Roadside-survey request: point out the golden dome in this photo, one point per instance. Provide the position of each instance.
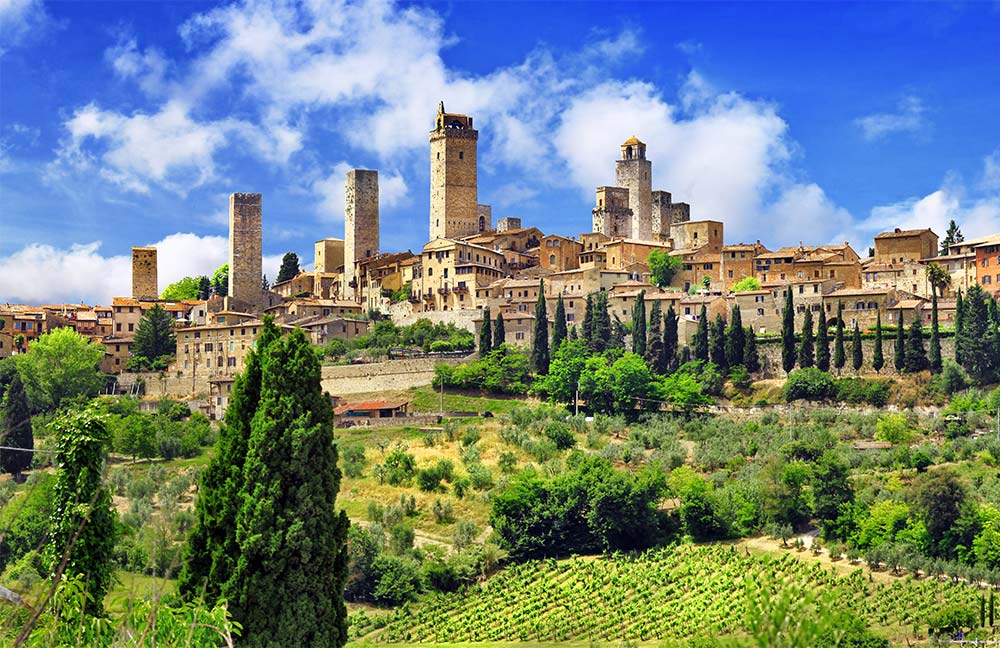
(631, 141)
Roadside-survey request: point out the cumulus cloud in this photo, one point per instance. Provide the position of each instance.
(991, 171)
(329, 191)
(19, 20)
(908, 118)
(976, 217)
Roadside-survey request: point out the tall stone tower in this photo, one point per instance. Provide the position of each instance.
(245, 242)
(144, 273)
(634, 172)
(360, 223)
(454, 210)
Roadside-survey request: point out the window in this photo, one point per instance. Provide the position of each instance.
(519, 335)
(986, 279)
(131, 327)
(231, 362)
(760, 312)
(208, 346)
(730, 274)
(118, 327)
(461, 155)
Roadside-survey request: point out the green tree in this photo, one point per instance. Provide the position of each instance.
(211, 551)
(669, 339)
(654, 340)
(959, 325)
(700, 342)
(823, 343)
(82, 526)
(788, 332)
(717, 342)
(751, 358)
(485, 337)
(601, 332)
(289, 267)
(60, 364)
(137, 437)
(287, 589)
(935, 353)
(857, 355)
(832, 494)
(915, 357)
(220, 280)
(15, 422)
(559, 325)
(639, 324)
(540, 341)
(154, 336)
(807, 349)
(951, 236)
(899, 346)
(662, 267)
(978, 338)
(204, 287)
(588, 319)
(746, 284)
(564, 371)
(878, 359)
(839, 356)
(939, 497)
(186, 288)
(736, 339)
(499, 334)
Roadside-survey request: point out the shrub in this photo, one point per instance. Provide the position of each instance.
(809, 383)
(560, 434)
(352, 460)
(893, 428)
(397, 579)
(398, 468)
(861, 390)
(740, 377)
(465, 533)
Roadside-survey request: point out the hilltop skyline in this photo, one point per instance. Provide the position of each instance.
(130, 123)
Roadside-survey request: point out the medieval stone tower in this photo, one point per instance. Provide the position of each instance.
(245, 242)
(634, 172)
(361, 237)
(144, 273)
(454, 210)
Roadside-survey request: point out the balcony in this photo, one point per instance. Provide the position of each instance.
(444, 291)
(460, 289)
(429, 295)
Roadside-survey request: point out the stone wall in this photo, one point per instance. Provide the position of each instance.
(245, 241)
(636, 176)
(361, 223)
(382, 376)
(144, 284)
(454, 195)
(770, 356)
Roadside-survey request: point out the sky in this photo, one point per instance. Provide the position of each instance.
(130, 123)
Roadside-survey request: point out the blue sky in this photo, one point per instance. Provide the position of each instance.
(130, 123)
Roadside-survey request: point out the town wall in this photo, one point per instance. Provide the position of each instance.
(391, 375)
(770, 356)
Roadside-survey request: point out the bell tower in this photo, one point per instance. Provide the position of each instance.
(454, 210)
(634, 172)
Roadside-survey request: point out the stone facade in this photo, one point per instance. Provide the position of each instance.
(665, 213)
(697, 234)
(634, 172)
(612, 214)
(508, 223)
(144, 284)
(454, 206)
(245, 245)
(328, 255)
(899, 245)
(452, 272)
(485, 217)
(558, 253)
(361, 229)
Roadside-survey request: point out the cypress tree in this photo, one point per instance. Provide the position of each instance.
(857, 353)
(15, 422)
(654, 340)
(979, 340)
(839, 356)
(935, 354)
(878, 360)
(600, 332)
(154, 334)
(559, 326)
(617, 340)
(499, 334)
(588, 320)
(717, 342)
(788, 333)
(289, 267)
(639, 324)
(670, 339)
(899, 347)
(288, 586)
(822, 343)
(540, 341)
(211, 551)
(485, 337)
(204, 287)
(572, 333)
(736, 338)
(915, 357)
(807, 351)
(751, 359)
(701, 336)
(959, 325)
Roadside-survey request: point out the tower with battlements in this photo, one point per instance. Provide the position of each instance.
(144, 273)
(454, 194)
(361, 231)
(245, 249)
(635, 173)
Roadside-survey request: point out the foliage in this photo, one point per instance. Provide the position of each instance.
(700, 342)
(894, 428)
(822, 343)
(683, 391)
(807, 349)
(735, 338)
(857, 353)
(615, 385)
(662, 267)
(499, 332)
(655, 358)
(809, 383)
(952, 236)
(639, 324)
(567, 365)
(939, 498)
(540, 339)
(746, 284)
(289, 267)
(878, 360)
(788, 333)
(503, 370)
(751, 358)
(979, 337)
(186, 288)
(899, 344)
(154, 335)
(717, 342)
(220, 280)
(861, 390)
(669, 339)
(839, 356)
(60, 365)
(934, 359)
(915, 356)
(15, 421)
(558, 325)
(25, 519)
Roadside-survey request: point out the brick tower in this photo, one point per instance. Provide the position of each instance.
(454, 210)
(360, 224)
(245, 213)
(634, 172)
(144, 273)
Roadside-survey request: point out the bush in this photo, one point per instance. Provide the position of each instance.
(397, 580)
(398, 468)
(560, 434)
(893, 428)
(809, 383)
(952, 377)
(352, 460)
(441, 346)
(740, 377)
(861, 390)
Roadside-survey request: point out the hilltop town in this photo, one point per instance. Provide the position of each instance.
(471, 263)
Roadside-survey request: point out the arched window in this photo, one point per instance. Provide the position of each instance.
(552, 259)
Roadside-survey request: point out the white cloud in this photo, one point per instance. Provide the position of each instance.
(20, 20)
(329, 191)
(512, 193)
(991, 171)
(976, 217)
(908, 118)
(149, 68)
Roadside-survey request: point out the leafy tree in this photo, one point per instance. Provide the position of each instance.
(615, 386)
(735, 338)
(978, 338)
(559, 325)
(788, 332)
(662, 267)
(485, 339)
(751, 358)
(939, 497)
(899, 346)
(204, 287)
(186, 288)
(915, 357)
(823, 343)
(289, 267)
(499, 334)
(220, 280)
(15, 421)
(746, 284)
(654, 340)
(717, 342)
(287, 589)
(82, 527)
(639, 324)
(935, 353)
(540, 341)
(564, 372)
(832, 494)
(211, 551)
(154, 336)
(807, 349)
(951, 236)
(137, 437)
(669, 339)
(857, 355)
(839, 356)
(938, 277)
(701, 336)
(808, 383)
(878, 359)
(683, 392)
(60, 364)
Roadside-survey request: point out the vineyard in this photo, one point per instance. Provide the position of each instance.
(659, 595)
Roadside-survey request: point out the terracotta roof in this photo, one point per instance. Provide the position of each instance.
(124, 301)
(898, 233)
(908, 303)
(631, 140)
(858, 292)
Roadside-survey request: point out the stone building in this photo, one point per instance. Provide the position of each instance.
(736, 262)
(861, 306)
(117, 351)
(329, 255)
(452, 272)
(144, 284)
(485, 213)
(697, 234)
(612, 215)
(454, 208)
(557, 253)
(245, 245)
(899, 245)
(634, 172)
(508, 223)
(361, 225)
